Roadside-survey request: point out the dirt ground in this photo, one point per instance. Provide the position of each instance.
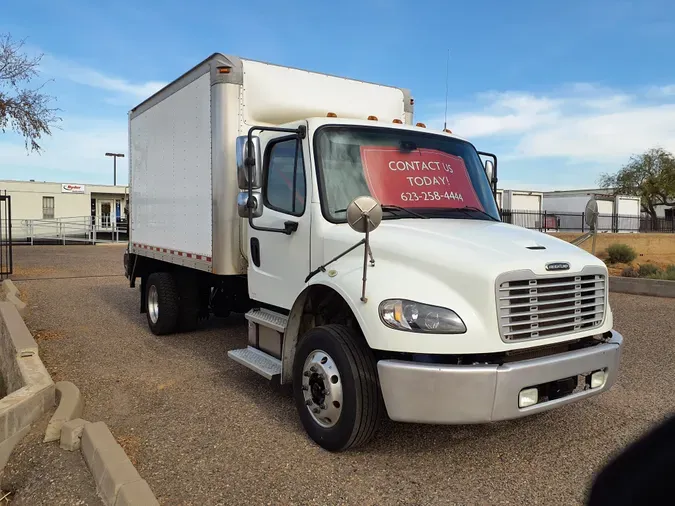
(658, 249)
(203, 430)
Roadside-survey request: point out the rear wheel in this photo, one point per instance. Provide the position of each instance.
(335, 388)
(162, 303)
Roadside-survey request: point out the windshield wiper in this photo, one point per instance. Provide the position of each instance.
(391, 209)
(465, 210)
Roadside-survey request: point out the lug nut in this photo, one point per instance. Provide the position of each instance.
(305, 388)
(325, 393)
(316, 411)
(313, 368)
(308, 402)
(323, 406)
(306, 374)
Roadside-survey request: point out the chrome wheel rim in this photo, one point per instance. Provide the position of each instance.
(322, 388)
(153, 304)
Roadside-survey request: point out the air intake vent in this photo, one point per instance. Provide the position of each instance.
(549, 306)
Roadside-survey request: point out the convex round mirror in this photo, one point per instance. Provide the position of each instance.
(364, 214)
(591, 213)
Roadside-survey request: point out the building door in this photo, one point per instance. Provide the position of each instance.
(106, 214)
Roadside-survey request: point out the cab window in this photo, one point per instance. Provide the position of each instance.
(285, 177)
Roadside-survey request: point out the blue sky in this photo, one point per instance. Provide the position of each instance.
(561, 91)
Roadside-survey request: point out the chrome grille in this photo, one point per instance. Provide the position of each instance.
(540, 307)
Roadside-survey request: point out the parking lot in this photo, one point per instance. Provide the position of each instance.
(202, 429)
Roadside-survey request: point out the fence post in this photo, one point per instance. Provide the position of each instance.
(583, 221)
(545, 225)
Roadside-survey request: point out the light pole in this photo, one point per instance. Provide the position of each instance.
(115, 156)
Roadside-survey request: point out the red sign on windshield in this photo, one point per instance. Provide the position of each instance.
(420, 178)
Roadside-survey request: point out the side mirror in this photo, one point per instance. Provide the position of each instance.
(256, 159)
(489, 170)
(256, 204)
(364, 214)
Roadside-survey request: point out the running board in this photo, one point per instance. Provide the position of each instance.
(256, 360)
(267, 318)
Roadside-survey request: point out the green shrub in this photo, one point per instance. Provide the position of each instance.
(630, 272)
(649, 271)
(669, 273)
(621, 254)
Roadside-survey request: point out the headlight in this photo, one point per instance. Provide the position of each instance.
(412, 316)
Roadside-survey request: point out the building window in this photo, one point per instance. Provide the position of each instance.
(47, 208)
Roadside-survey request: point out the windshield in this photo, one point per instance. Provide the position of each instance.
(435, 176)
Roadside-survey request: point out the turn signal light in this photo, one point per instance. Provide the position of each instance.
(421, 125)
(372, 118)
(331, 115)
(224, 70)
(398, 121)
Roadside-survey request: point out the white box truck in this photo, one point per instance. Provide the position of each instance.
(242, 177)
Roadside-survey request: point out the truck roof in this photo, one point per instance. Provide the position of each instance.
(317, 121)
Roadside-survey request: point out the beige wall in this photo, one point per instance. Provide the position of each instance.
(27, 199)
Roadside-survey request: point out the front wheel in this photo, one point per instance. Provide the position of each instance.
(335, 388)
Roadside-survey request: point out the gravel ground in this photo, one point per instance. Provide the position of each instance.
(204, 430)
(42, 473)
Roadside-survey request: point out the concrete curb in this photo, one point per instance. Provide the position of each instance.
(70, 407)
(642, 286)
(10, 293)
(117, 481)
(29, 388)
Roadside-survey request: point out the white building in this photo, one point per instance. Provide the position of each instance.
(521, 207)
(617, 213)
(47, 209)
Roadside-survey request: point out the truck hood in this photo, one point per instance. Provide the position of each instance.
(479, 246)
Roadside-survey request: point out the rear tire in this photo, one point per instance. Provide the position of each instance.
(333, 363)
(162, 303)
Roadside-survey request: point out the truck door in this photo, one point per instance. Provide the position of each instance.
(279, 263)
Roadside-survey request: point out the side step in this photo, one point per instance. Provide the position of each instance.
(267, 318)
(257, 360)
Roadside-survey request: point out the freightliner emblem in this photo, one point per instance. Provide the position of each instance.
(558, 266)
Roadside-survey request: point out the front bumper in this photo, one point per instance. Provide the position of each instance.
(461, 394)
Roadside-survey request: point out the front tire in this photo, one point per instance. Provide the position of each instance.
(162, 303)
(335, 388)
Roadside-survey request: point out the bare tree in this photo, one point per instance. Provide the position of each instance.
(23, 109)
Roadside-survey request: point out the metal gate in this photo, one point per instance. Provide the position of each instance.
(5, 235)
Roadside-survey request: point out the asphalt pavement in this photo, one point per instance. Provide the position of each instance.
(203, 430)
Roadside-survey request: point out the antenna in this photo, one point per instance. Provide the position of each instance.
(447, 76)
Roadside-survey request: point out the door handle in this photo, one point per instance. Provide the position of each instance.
(290, 227)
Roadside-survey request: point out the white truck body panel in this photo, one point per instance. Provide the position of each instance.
(171, 188)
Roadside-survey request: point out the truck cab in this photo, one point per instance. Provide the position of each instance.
(377, 277)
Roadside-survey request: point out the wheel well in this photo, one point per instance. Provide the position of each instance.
(317, 305)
